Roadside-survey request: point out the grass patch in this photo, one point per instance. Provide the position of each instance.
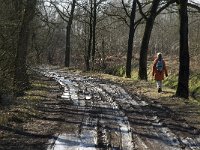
(23, 123)
(171, 81)
(39, 85)
(18, 114)
(195, 85)
(134, 74)
(22, 114)
(24, 107)
(116, 70)
(32, 98)
(37, 93)
(4, 118)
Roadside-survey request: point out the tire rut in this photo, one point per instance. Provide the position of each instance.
(113, 119)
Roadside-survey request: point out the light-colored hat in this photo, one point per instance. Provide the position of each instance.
(159, 54)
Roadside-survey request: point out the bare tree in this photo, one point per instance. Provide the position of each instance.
(68, 31)
(92, 12)
(145, 41)
(20, 74)
(94, 31)
(183, 80)
(130, 40)
(68, 18)
(88, 52)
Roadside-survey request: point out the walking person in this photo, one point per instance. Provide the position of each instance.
(159, 69)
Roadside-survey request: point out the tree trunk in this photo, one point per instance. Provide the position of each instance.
(103, 57)
(88, 54)
(68, 35)
(130, 40)
(94, 32)
(50, 57)
(145, 41)
(183, 80)
(20, 75)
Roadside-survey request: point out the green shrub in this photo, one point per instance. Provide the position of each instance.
(116, 70)
(171, 81)
(194, 85)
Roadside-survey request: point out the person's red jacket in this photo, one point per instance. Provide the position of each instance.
(159, 75)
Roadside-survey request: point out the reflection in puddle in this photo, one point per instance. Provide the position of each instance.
(88, 97)
(86, 141)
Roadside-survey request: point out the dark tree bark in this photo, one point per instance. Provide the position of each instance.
(50, 57)
(130, 40)
(183, 80)
(145, 41)
(88, 53)
(68, 35)
(20, 74)
(103, 54)
(94, 32)
(18, 8)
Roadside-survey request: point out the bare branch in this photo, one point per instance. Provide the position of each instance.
(165, 6)
(62, 15)
(140, 10)
(194, 6)
(124, 7)
(101, 1)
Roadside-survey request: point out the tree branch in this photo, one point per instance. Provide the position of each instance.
(62, 15)
(140, 10)
(165, 6)
(124, 7)
(194, 6)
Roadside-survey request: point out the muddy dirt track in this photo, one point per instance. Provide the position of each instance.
(99, 114)
(88, 113)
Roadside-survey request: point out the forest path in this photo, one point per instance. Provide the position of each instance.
(100, 114)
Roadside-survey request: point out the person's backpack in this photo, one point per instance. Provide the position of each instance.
(159, 65)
